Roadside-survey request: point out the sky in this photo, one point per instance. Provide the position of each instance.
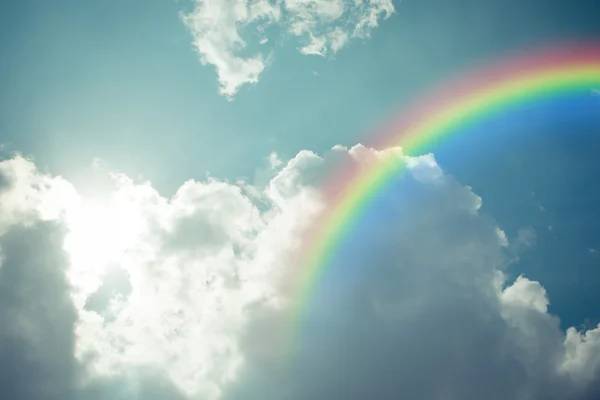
(162, 160)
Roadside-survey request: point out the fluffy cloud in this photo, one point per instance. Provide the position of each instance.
(188, 297)
(215, 28)
(322, 26)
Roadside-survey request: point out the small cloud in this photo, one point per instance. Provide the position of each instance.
(503, 240)
(316, 46)
(525, 238)
(99, 164)
(339, 147)
(215, 28)
(274, 161)
(338, 38)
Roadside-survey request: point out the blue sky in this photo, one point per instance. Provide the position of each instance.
(121, 81)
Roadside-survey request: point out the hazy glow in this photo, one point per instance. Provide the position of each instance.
(100, 233)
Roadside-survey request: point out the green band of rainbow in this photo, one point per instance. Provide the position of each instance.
(477, 96)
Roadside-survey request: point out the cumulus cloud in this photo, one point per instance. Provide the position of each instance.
(143, 296)
(222, 39)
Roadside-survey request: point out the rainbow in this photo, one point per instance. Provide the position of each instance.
(478, 95)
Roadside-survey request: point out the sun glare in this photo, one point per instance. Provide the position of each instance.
(99, 234)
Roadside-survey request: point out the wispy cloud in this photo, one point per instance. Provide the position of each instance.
(321, 26)
(215, 27)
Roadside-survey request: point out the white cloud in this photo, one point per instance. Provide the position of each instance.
(215, 27)
(27, 196)
(274, 161)
(581, 361)
(187, 297)
(338, 39)
(527, 295)
(327, 26)
(372, 11)
(322, 26)
(525, 238)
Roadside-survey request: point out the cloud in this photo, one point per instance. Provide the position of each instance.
(215, 28)
(222, 38)
(421, 309)
(327, 26)
(188, 297)
(525, 238)
(38, 318)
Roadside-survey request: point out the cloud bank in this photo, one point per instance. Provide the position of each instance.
(187, 297)
(227, 33)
